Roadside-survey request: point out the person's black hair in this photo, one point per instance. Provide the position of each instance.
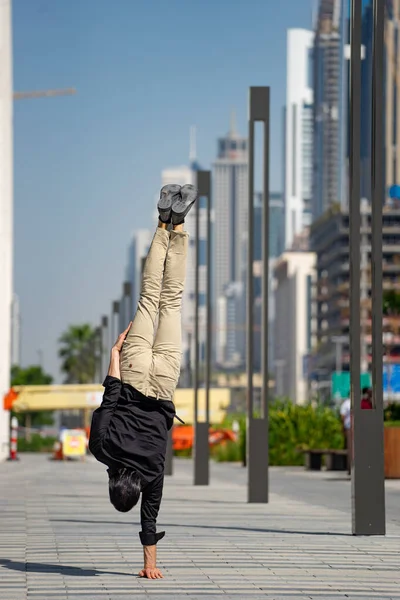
(124, 487)
(365, 390)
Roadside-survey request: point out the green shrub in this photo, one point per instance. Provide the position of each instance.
(187, 453)
(392, 423)
(291, 428)
(227, 452)
(37, 443)
(392, 412)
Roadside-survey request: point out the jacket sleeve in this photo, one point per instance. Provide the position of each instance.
(151, 500)
(102, 416)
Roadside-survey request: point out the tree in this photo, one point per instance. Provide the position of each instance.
(33, 375)
(78, 353)
(391, 303)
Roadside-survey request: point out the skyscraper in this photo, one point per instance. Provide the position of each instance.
(137, 251)
(183, 175)
(230, 172)
(298, 133)
(391, 99)
(6, 211)
(327, 58)
(276, 225)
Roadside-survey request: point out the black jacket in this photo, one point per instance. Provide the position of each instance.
(131, 430)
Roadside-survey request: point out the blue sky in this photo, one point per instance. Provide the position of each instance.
(87, 167)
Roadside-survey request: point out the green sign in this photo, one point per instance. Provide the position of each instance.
(341, 384)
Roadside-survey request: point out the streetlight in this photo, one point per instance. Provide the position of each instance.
(257, 428)
(368, 481)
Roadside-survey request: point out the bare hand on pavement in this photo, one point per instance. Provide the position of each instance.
(151, 573)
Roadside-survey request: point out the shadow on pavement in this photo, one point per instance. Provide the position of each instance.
(225, 527)
(33, 567)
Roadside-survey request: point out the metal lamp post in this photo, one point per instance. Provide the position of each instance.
(201, 428)
(368, 497)
(105, 344)
(115, 320)
(257, 428)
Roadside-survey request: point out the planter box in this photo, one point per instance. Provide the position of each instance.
(336, 460)
(392, 452)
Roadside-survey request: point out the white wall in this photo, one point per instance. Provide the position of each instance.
(292, 322)
(6, 209)
(298, 92)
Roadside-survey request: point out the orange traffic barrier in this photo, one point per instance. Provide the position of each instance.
(9, 399)
(183, 437)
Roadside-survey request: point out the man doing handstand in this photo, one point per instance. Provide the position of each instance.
(130, 429)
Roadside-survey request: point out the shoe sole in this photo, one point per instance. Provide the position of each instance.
(181, 207)
(166, 200)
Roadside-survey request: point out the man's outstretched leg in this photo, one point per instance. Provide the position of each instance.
(167, 349)
(136, 355)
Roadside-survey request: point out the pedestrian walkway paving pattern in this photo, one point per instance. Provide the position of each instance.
(61, 539)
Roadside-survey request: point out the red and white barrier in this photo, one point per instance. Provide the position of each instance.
(14, 439)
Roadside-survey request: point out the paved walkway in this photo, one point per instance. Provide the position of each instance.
(61, 539)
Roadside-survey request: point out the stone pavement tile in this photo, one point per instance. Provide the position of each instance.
(48, 596)
(214, 546)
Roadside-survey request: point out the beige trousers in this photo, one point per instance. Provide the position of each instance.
(152, 364)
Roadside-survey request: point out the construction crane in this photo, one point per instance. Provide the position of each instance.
(44, 93)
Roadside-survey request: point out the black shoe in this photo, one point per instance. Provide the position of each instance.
(182, 205)
(168, 195)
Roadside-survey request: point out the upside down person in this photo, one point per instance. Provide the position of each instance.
(130, 429)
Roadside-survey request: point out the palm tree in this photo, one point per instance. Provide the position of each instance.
(78, 353)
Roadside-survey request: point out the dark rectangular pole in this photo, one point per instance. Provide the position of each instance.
(368, 498)
(257, 428)
(105, 344)
(200, 447)
(368, 473)
(265, 278)
(127, 303)
(98, 354)
(354, 234)
(115, 320)
(250, 279)
(209, 303)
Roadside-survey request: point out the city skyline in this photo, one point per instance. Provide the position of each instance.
(87, 167)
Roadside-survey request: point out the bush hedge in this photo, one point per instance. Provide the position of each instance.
(292, 428)
(392, 411)
(37, 443)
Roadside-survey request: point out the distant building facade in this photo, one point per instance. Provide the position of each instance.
(298, 133)
(294, 324)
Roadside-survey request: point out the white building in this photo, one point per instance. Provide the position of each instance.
(6, 211)
(298, 133)
(294, 323)
(230, 192)
(231, 312)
